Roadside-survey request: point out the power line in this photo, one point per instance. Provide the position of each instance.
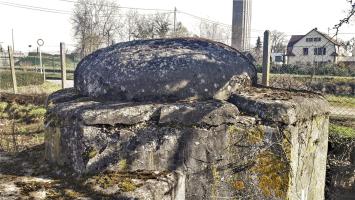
(123, 7)
(205, 19)
(36, 8)
(56, 11)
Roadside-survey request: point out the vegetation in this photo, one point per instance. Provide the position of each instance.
(327, 70)
(22, 78)
(343, 131)
(57, 76)
(48, 60)
(341, 100)
(21, 126)
(44, 88)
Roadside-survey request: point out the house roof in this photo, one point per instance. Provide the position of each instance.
(334, 54)
(295, 38)
(329, 38)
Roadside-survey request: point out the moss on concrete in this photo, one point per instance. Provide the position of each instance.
(122, 165)
(256, 135)
(273, 174)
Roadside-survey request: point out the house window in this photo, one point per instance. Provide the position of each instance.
(305, 51)
(317, 39)
(278, 59)
(320, 51)
(309, 39)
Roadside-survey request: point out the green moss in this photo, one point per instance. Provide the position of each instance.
(233, 129)
(3, 106)
(122, 180)
(92, 154)
(24, 113)
(272, 174)
(343, 131)
(122, 165)
(127, 185)
(37, 113)
(256, 135)
(89, 154)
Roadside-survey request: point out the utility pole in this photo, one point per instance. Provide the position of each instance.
(175, 10)
(13, 40)
(40, 59)
(266, 59)
(63, 64)
(12, 66)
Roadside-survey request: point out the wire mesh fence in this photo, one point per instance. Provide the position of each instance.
(34, 68)
(319, 63)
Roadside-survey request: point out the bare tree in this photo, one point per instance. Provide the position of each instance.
(96, 23)
(181, 30)
(278, 41)
(150, 26)
(131, 21)
(215, 31)
(162, 25)
(144, 28)
(346, 20)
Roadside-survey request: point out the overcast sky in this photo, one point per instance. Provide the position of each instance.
(289, 16)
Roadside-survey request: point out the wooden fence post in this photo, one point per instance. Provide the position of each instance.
(266, 59)
(12, 66)
(63, 64)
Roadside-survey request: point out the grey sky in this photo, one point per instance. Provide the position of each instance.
(289, 16)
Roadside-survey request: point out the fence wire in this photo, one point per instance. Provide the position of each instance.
(319, 63)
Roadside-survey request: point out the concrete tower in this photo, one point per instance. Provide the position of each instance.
(241, 24)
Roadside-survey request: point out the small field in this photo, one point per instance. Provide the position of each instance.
(22, 78)
(21, 121)
(345, 101)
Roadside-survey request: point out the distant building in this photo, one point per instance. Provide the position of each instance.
(314, 48)
(241, 24)
(278, 59)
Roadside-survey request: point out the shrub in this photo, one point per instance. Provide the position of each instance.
(328, 70)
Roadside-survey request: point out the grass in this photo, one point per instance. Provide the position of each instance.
(341, 100)
(70, 76)
(344, 131)
(45, 88)
(48, 60)
(22, 78)
(21, 125)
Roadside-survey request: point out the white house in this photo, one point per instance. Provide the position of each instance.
(314, 48)
(278, 59)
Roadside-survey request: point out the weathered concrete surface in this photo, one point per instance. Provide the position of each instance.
(164, 70)
(265, 144)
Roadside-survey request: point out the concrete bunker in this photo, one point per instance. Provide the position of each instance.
(184, 119)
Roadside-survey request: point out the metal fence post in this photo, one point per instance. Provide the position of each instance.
(63, 64)
(266, 59)
(12, 66)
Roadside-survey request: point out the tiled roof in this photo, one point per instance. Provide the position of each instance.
(295, 38)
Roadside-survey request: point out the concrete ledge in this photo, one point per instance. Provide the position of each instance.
(278, 105)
